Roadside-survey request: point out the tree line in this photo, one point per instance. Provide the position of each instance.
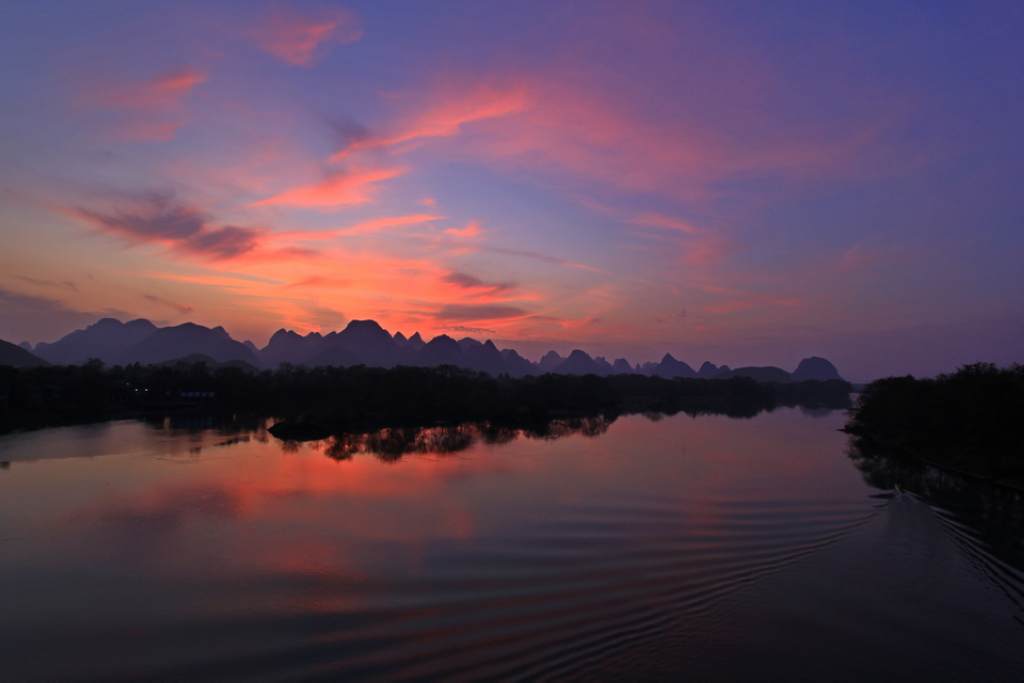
(363, 398)
(971, 420)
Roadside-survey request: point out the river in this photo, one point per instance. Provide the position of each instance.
(708, 547)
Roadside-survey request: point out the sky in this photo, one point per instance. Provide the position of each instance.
(748, 183)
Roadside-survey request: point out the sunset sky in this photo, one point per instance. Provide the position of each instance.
(745, 183)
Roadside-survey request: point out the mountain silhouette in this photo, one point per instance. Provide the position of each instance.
(648, 368)
(579, 363)
(621, 367)
(441, 350)
(416, 342)
(670, 368)
(768, 373)
(815, 368)
(364, 342)
(170, 343)
(549, 362)
(367, 341)
(15, 356)
(287, 346)
(106, 339)
(466, 343)
(708, 370)
(516, 365)
(485, 358)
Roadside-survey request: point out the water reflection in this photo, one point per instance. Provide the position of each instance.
(990, 514)
(392, 443)
(671, 548)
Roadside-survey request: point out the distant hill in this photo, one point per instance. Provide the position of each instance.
(485, 358)
(365, 342)
(170, 343)
(709, 370)
(815, 368)
(441, 350)
(549, 362)
(516, 365)
(15, 356)
(107, 339)
(670, 368)
(287, 346)
(579, 363)
(621, 367)
(761, 374)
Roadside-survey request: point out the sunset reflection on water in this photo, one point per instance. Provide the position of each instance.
(156, 551)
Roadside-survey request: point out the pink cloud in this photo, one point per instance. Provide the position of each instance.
(149, 110)
(162, 91)
(471, 230)
(575, 132)
(660, 221)
(445, 115)
(296, 37)
(341, 189)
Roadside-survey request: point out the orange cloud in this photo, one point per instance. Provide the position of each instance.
(295, 37)
(471, 230)
(370, 226)
(342, 189)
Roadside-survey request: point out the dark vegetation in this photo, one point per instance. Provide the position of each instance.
(971, 421)
(322, 400)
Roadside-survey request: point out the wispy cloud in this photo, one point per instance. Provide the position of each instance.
(163, 90)
(659, 221)
(161, 219)
(180, 308)
(543, 258)
(470, 282)
(301, 38)
(469, 312)
(146, 110)
(340, 189)
(470, 231)
(64, 284)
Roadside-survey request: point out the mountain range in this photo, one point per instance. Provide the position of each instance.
(362, 342)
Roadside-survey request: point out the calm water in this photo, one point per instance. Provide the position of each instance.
(706, 547)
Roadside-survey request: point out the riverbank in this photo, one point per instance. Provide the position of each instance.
(362, 398)
(969, 422)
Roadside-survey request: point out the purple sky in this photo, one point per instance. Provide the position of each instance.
(745, 183)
